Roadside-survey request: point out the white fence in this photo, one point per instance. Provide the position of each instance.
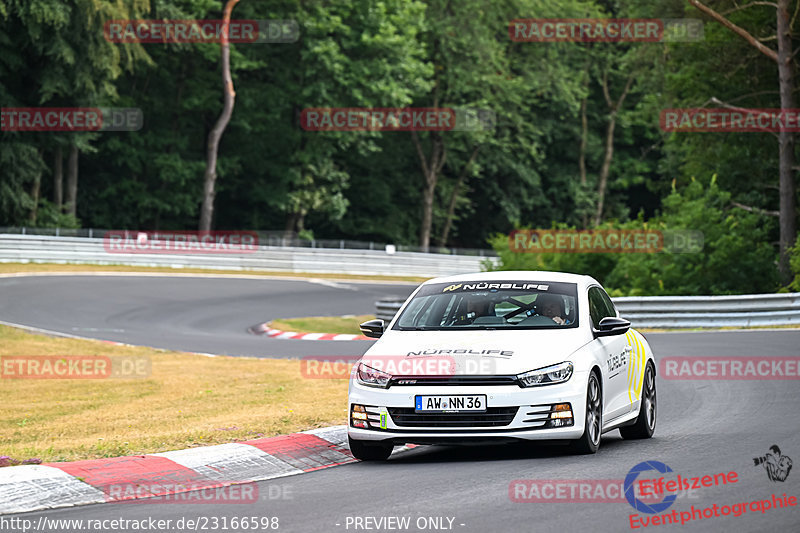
(711, 311)
(16, 248)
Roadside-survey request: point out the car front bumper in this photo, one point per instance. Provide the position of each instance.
(513, 413)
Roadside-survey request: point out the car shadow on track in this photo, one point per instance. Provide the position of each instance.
(496, 452)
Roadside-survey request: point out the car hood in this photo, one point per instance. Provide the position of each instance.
(473, 352)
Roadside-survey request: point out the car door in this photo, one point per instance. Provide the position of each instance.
(615, 354)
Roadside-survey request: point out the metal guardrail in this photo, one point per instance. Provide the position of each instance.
(281, 239)
(386, 308)
(711, 311)
(687, 311)
(50, 249)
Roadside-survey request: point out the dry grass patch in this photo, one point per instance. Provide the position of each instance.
(188, 400)
(11, 268)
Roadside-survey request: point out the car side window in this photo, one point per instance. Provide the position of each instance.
(609, 305)
(600, 305)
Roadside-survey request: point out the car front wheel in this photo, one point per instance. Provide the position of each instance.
(645, 423)
(590, 440)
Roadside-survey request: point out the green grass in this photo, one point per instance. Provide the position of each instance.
(188, 400)
(322, 324)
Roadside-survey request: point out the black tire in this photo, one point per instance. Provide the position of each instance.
(590, 440)
(369, 452)
(645, 424)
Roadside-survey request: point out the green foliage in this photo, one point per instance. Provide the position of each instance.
(53, 54)
(736, 257)
(368, 185)
(795, 264)
(20, 163)
(597, 265)
(49, 216)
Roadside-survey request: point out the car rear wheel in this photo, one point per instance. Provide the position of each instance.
(645, 423)
(590, 440)
(369, 452)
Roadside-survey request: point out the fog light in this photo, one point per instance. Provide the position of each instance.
(561, 410)
(358, 417)
(561, 416)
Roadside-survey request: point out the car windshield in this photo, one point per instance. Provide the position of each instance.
(491, 305)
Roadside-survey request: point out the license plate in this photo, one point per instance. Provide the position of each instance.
(450, 404)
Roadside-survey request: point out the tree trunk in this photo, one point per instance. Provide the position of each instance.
(427, 213)
(35, 189)
(451, 209)
(787, 222)
(430, 171)
(584, 135)
(290, 230)
(783, 57)
(214, 136)
(584, 126)
(604, 170)
(582, 157)
(58, 178)
(614, 107)
(72, 181)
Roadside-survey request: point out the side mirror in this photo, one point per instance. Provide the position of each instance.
(612, 325)
(372, 328)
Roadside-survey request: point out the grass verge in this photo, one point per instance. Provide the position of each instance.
(322, 324)
(11, 268)
(188, 400)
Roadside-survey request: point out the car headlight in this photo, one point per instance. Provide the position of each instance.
(366, 375)
(547, 375)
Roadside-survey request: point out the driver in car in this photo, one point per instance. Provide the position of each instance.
(477, 306)
(551, 306)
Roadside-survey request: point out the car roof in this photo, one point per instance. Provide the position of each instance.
(521, 275)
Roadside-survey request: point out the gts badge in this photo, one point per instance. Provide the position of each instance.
(615, 362)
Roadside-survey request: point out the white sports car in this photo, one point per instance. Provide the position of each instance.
(502, 356)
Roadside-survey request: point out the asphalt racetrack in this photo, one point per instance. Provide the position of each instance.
(195, 314)
(704, 427)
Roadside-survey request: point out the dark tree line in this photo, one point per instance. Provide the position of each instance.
(576, 141)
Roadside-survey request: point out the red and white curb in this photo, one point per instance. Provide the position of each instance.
(264, 329)
(36, 487)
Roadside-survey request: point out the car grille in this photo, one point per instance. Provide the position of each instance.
(493, 417)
